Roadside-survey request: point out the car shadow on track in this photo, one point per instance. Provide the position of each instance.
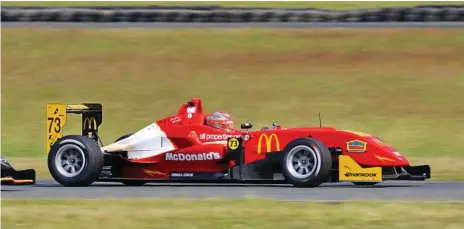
(155, 185)
(12, 190)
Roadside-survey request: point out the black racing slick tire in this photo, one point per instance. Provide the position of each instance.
(75, 160)
(130, 182)
(306, 163)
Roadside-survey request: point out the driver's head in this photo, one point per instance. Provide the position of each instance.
(220, 120)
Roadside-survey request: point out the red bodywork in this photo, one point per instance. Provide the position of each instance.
(189, 134)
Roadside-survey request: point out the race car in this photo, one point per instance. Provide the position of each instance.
(194, 146)
(11, 176)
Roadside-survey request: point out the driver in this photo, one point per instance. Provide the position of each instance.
(220, 120)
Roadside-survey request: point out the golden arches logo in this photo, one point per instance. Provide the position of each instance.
(268, 142)
(88, 123)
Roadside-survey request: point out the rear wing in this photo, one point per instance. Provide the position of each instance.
(57, 117)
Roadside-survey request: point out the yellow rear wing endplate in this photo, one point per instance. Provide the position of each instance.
(92, 117)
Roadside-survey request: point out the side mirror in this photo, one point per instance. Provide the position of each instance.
(246, 126)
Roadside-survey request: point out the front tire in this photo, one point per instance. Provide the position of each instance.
(75, 160)
(306, 163)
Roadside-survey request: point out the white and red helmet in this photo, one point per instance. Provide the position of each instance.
(220, 120)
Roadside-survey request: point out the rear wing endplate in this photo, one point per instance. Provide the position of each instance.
(57, 117)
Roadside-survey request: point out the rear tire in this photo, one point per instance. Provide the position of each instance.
(75, 160)
(306, 163)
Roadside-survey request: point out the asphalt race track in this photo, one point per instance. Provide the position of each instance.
(370, 25)
(391, 190)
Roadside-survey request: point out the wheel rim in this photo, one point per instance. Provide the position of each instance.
(70, 160)
(302, 162)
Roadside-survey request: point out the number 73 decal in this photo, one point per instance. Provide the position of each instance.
(56, 120)
(233, 143)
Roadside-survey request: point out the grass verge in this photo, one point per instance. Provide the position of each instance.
(402, 85)
(325, 5)
(218, 213)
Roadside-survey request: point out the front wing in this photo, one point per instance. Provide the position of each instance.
(349, 170)
(26, 176)
(11, 176)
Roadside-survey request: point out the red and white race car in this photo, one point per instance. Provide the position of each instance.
(192, 146)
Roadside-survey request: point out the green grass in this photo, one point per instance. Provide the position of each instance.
(215, 213)
(308, 4)
(403, 85)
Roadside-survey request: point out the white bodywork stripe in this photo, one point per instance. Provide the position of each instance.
(149, 141)
(215, 142)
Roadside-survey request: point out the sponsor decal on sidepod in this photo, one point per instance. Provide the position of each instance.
(193, 157)
(356, 146)
(221, 137)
